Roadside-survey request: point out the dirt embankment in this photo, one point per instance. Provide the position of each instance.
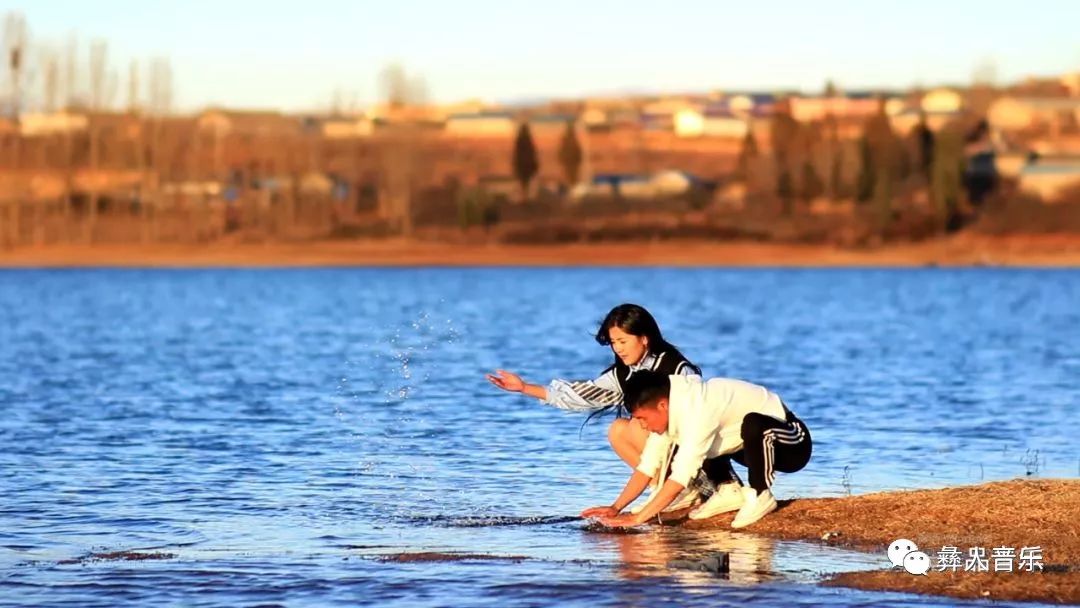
(1012, 514)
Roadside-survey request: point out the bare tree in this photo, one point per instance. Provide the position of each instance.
(133, 88)
(399, 89)
(159, 103)
(337, 103)
(134, 109)
(983, 86)
(985, 72)
(99, 96)
(50, 103)
(15, 41)
(70, 95)
(402, 155)
(51, 84)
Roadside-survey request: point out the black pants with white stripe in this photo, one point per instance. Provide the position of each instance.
(769, 445)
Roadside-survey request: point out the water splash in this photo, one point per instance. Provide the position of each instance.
(379, 401)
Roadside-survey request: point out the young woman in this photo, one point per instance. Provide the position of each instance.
(636, 341)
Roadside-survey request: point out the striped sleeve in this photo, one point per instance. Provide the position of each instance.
(585, 395)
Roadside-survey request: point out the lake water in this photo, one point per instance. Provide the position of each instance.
(279, 433)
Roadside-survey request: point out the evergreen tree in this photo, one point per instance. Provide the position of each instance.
(570, 154)
(785, 141)
(836, 177)
(747, 155)
(924, 144)
(526, 164)
(864, 185)
(812, 186)
(785, 190)
(947, 178)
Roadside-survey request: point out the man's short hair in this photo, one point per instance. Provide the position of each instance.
(645, 389)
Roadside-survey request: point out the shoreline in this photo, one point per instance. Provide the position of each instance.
(963, 250)
(1016, 514)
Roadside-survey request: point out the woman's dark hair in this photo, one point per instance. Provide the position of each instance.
(636, 321)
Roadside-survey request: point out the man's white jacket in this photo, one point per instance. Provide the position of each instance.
(704, 421)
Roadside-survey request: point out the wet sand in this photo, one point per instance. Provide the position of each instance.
(962, 250)
(1016, 514)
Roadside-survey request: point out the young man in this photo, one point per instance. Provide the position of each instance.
(705, 421)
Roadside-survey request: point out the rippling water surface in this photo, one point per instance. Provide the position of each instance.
(278, 436)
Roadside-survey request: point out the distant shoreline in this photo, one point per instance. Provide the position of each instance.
(965, 250)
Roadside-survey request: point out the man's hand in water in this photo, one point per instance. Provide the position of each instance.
(507, 381)
(602, 512)
(626, 520)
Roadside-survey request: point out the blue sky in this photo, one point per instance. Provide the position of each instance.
(295, 55)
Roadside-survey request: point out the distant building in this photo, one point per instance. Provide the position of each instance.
(471, 106)
(809, 109)
(722, 123)
(662, 121)
(666, 106)
(758, 105)
(661, 115)
(423, 115)
(1051, 178)
(1018, 113)
(481, 124)
(663, 184)
(627, 118)
(689, 122)
(251, 123)
(942, 101)
(938, 108)
(906, 120)
(550, 123)
(347, 128)
(1072, 83)
(895, 105)
(714, 120)
(595, 118)
(607, 113)
(52, 123)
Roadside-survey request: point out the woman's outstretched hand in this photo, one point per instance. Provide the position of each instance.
(507, 381)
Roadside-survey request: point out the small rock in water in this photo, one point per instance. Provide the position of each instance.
(831, 535)
(718, 563)
(597, 527)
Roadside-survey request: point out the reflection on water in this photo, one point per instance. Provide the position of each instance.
(752, 559)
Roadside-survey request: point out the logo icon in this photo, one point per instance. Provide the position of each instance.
(917, 562)
(900, 548)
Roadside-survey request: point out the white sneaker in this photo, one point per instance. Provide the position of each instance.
(755, 507)
(727, 497)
